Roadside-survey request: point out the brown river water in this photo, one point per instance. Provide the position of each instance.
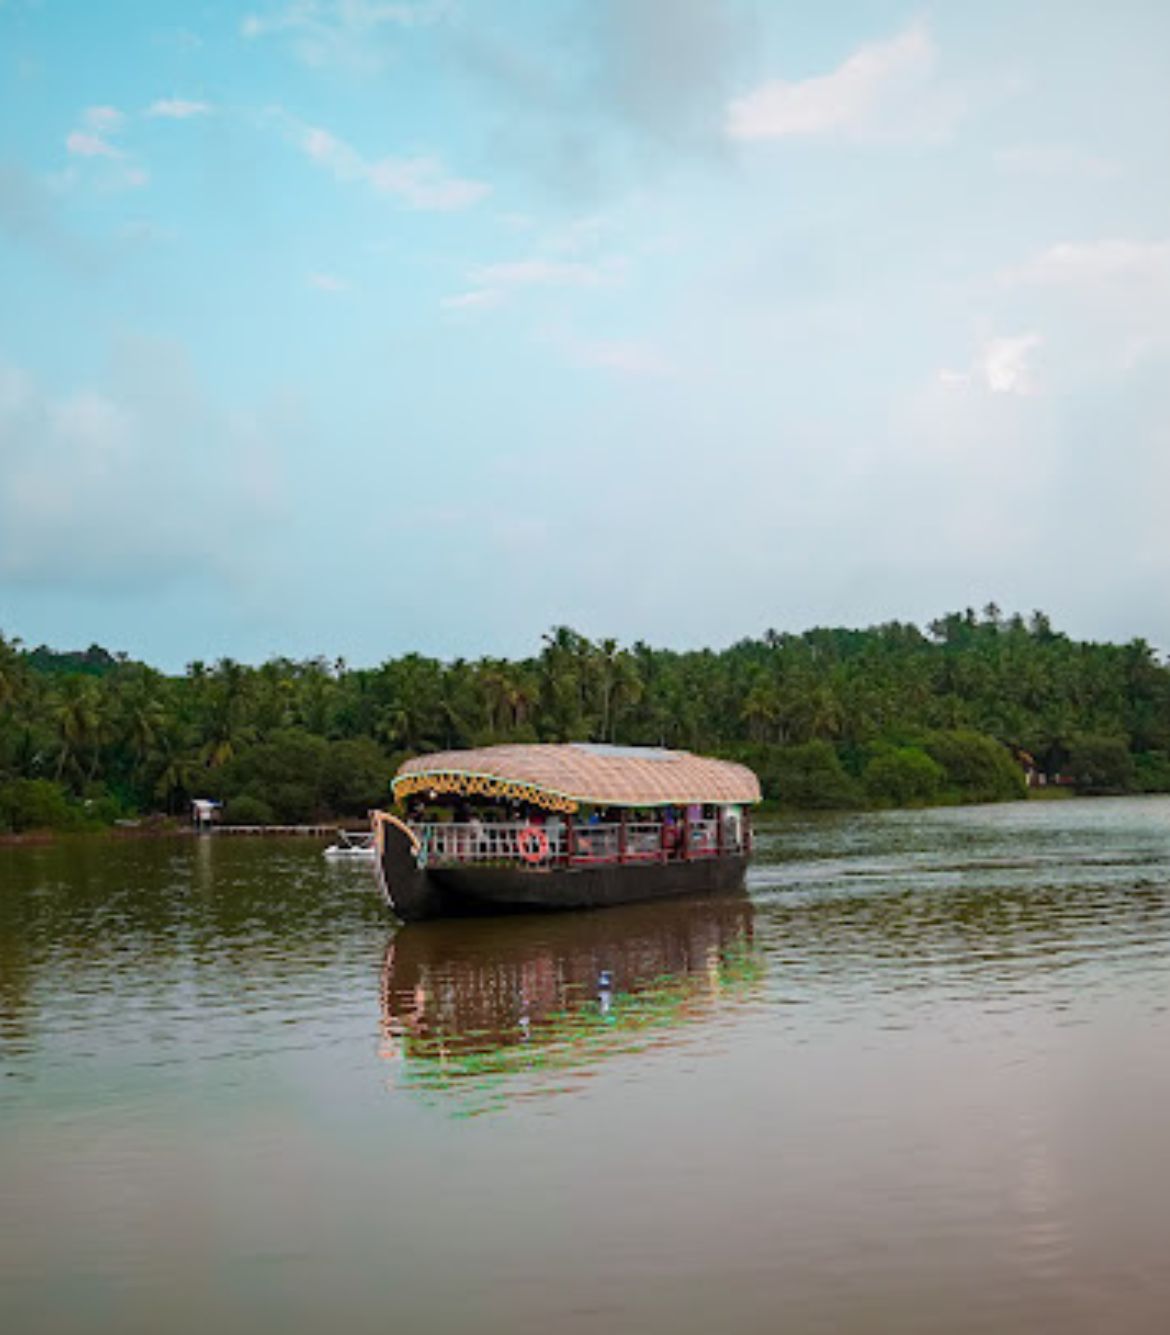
(917, 1079)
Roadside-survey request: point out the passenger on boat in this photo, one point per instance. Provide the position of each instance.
(671, 834)
(555, 828)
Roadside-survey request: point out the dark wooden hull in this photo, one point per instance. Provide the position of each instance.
(455, 892)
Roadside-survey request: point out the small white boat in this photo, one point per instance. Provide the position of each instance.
(352, 846)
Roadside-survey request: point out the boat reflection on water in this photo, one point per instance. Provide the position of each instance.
(493, 1009)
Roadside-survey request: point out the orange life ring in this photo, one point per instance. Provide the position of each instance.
(532, 844)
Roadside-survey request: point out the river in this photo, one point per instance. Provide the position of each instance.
(915, 1080)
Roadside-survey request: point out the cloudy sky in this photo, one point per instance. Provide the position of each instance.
(352, 327)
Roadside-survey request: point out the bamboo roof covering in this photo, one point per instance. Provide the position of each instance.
(562, 776)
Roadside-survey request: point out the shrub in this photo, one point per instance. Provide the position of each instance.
(1152, 772)
(809, 777)
(100, 806)
(1100, 765)
(284, 773)
(36, 804)
(249, 810)
(297, 776)
(356, 777)
(903, 776)
(977, 766)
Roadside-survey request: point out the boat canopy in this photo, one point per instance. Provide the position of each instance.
(563, 776)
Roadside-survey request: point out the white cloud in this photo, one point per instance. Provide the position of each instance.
(630, 356)
(476, 299)
(1006, 364)
(103, 120)
(538, 272)
(352, 15)
(493, 283)
(422, 182)
(92, 139)
(1096, 262)
(139, 475)
(341, 32)
(951, 379)
(1106, 302)
(327, 282)
(1003, 366)
(177, 109)
(82, 144)
(300, 14)
(1055, 160)
(866, 94)
(183, 39)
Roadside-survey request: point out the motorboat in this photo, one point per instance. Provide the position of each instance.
(352, 846)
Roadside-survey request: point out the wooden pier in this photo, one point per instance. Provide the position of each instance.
(313, 831)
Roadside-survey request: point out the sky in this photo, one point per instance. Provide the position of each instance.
(354, 327)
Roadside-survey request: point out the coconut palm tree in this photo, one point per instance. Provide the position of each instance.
(77, 719)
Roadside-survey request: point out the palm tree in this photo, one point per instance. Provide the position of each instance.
(12, 670)
(77, 720)
(271, 696)
(142, 719)
(566, 663)
(607, 660)
(626, 689)
(314, 697)
(762, 709)
(178, 771)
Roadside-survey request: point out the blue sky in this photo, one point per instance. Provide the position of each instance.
(353, 327)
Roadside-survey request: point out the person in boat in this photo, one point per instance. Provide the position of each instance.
(555, 829)
(670, 830)
(475, 833)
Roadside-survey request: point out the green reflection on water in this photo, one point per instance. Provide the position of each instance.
(490, 1011)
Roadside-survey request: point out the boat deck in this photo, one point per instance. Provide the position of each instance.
(559, 843)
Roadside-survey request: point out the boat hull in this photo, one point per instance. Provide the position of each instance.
(416, 893)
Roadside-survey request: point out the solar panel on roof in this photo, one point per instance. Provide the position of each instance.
(604, 749)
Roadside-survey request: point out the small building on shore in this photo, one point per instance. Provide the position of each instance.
(205, 812)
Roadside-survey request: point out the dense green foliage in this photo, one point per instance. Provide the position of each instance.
(975, 767)
(828, 718)
(903, 776)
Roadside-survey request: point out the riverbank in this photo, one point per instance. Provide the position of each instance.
(171, 827)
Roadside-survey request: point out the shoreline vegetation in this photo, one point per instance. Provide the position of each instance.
(971, 709)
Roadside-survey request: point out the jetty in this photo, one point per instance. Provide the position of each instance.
(313, 831)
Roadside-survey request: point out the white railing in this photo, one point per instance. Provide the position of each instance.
(645, 841)
(597, 843)
(447, 843)
(479, 841)
(704, 836)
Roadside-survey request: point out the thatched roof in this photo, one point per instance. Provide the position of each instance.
(563, 776)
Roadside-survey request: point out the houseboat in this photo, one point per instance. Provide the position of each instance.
(560, 826)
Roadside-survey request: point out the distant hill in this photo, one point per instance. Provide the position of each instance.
(92, 662)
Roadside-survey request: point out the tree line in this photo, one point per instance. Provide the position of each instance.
(831, 717)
